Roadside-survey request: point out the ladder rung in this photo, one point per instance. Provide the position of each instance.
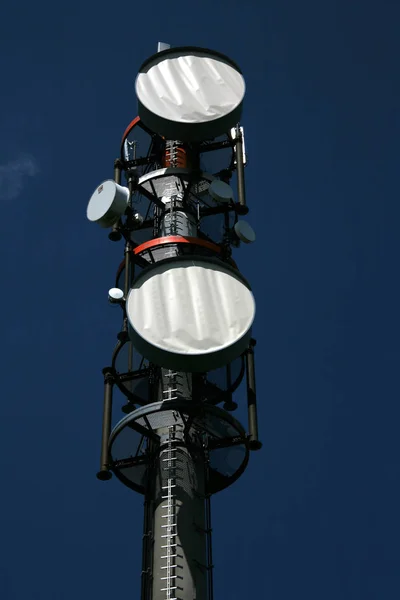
(169, 546)
(169, 577)
(169, 556)
(169, 525)
(170, 588)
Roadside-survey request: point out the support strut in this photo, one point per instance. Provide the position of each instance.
(104, 472)
(254, 442)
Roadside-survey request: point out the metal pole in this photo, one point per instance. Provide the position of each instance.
(241, 189)
(146, 552)
(117, 170)
(229, 404)
(254, 442)
(129, 269)
(115, 234)
(127, 273)
(104, 472)
(210, 564)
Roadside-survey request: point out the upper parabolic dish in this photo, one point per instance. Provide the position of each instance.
(190, 94)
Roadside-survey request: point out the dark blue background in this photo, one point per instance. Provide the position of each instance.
(316, 515)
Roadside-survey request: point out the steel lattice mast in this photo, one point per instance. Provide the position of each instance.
(185, 342)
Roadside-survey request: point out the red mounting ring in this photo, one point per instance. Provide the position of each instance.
(177, 239)
(136, 122)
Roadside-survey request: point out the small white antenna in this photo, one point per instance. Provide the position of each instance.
(115, 296)
(162, 46)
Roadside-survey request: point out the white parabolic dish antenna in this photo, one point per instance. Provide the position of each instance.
(221, 191)
(190, 94)
(108, 202)
(245, 232)
(190, 314)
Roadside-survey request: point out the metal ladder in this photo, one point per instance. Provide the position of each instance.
(169, 458)
(170, 389)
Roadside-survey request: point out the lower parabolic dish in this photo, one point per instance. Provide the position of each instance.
(190, 94)
(190, 314)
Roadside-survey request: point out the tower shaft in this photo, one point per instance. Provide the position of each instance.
(175, 503)
(177, 523)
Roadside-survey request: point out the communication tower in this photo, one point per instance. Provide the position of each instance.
(185, 342)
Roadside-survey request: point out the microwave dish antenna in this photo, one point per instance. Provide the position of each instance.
(189, 93)
(206, 326)
(108, 203)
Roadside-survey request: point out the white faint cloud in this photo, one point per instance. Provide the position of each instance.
(13, 176)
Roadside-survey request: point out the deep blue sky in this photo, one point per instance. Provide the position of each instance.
(316, 515)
